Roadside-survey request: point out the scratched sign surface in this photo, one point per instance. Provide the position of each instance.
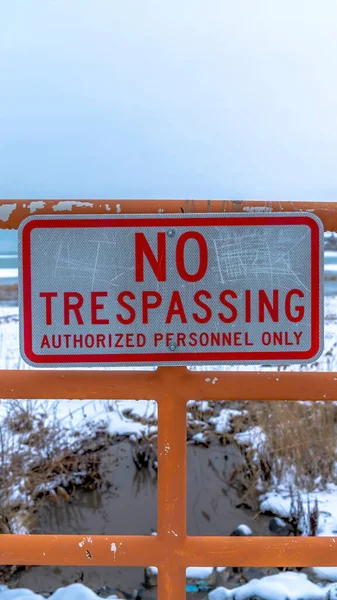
(171, 289)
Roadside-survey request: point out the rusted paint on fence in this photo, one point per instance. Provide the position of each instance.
(12, 212)
(171, 550)
(185, 384)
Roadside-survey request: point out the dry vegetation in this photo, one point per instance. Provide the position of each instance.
(300, 445)
(292, 444)
(36, 464)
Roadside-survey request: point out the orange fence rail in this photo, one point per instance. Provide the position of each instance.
(172, 550)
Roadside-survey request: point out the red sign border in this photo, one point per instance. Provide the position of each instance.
(168, 357)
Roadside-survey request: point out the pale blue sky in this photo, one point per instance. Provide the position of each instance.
(168, 98)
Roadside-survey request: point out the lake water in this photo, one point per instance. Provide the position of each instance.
(9, 271)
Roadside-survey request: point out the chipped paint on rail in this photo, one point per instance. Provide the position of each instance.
(6, 211)
(36, 205)
(68, 205)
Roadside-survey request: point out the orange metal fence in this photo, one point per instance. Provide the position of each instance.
(172, 550)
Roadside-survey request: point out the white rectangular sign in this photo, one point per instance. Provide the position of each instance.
(176, 289)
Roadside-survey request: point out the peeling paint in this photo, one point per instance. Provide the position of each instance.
(167, 448)
(113, 549)
(89, 540)
(160, 210)
(6, 211)
(34, 206)
(68, 205)
(118, 208)
(107, 207)
(174, 533)
(251, 209)
(81, 544)
(88, 554)
(213, 381)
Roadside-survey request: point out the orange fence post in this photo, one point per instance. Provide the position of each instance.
(172, 551)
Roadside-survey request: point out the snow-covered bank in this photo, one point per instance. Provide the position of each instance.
(76, 591)
(284, 586)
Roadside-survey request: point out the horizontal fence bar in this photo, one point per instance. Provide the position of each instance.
(261, 551)
(13, 212)
(185, 385)
(78, 550)
(207, 551)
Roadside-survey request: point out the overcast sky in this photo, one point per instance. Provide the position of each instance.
(168, 98)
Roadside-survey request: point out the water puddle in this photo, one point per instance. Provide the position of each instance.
(127, 504)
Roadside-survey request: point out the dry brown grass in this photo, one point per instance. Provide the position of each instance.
(297, 451)
(36, 464)
(301, 440)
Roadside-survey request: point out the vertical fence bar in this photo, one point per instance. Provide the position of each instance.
(171, 493)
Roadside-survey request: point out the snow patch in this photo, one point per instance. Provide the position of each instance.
(223, 421)
(191, 572)
(8, 273)
(76, 591)
(283, 586)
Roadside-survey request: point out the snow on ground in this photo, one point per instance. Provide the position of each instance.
(284, 586)
(191, 572)
(77, 591)
(279, 502)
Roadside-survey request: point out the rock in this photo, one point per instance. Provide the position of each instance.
(253, 573)
(279, 526)
(242, 530)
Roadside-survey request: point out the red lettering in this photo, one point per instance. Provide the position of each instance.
(95, 307)
(180, 256)
(48, 296)
(119, 337)
(56, 344)
(75, 307)
(158, 337)
(100, 340)
(147, 305)
(130, 309)
(205, 307)
(193, 339)
(298, 316)
(248, 299)
(78, 341)
(237, 338)
(233, 311)
(266, 338)
(129, 338)
(45, 342)
(142, 248)
(141, 340)
(176, 308)
(181, 339)
(272, 308)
